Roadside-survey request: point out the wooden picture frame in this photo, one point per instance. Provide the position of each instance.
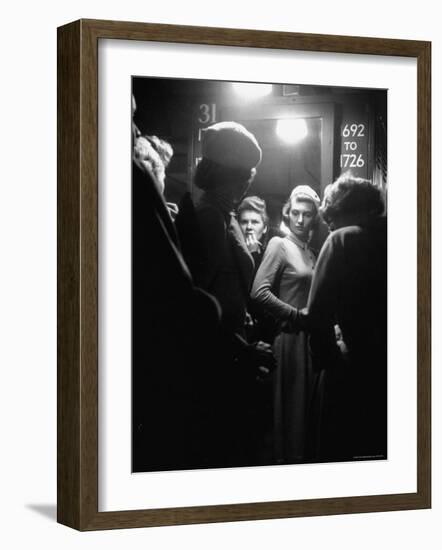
(77, 461)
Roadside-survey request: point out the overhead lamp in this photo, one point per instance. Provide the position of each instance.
(248, 90)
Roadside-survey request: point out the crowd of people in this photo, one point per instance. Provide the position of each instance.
(250, 348)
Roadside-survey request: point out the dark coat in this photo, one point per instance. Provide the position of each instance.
(222, 265)
(174, 328)
(349, 288)
(227, 267)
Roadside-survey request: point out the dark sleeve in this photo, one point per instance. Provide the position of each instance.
(212, 228)
(159, 272)
(162, 283)
(263, 290)
(323, 305)
(213, 231)
(322, 300)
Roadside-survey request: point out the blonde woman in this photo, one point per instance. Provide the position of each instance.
(281, 289)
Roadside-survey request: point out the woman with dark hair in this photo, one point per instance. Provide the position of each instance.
(228, 166)
(281, 289)
(349, 291)
(225, 268)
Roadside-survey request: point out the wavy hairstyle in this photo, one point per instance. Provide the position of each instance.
(256, 204)
(308, 196)
(352, 200)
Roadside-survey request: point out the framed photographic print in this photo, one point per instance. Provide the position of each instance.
(243, 275)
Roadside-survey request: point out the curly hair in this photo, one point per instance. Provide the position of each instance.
(351, 198)
(162, 147)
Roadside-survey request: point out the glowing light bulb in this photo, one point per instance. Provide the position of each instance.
(249, 90)
(291, 130)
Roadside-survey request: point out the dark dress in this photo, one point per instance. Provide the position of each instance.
(349, 288)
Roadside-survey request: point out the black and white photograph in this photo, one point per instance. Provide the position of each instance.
(259, 274)
(203, 340)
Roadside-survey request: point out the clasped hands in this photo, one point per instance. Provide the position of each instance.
(297, 321)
